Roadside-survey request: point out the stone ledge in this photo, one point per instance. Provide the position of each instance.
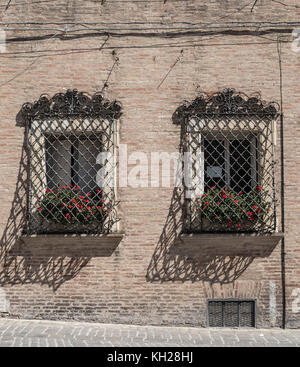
(226, 244)
(88, 245)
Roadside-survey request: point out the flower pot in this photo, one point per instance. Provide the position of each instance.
(245, 226)
(46, 226)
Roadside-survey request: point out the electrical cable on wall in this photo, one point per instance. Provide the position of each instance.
(116, 60)
(171, 68)
(255, 2)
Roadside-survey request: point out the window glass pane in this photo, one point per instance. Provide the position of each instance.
(240, 165)
(86, 168)
(58, 162)
(72, 161)
(214, 157)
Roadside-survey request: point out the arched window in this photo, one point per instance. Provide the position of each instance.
(71, 141)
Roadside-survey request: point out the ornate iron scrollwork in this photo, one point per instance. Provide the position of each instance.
(70, 188)
(227, 102)
(229, 136)
(72, 104)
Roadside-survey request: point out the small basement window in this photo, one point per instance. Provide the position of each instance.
(231, 313)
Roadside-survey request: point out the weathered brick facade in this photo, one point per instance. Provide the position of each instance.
(223, 47)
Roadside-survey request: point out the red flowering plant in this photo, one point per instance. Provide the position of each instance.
(69, 205)
(232, 210)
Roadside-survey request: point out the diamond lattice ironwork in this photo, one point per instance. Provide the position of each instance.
(230, 139)
(71, 166)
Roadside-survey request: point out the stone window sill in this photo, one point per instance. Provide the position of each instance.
(85, 245)
(228, 244)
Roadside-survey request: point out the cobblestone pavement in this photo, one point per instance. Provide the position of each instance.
(27, 333)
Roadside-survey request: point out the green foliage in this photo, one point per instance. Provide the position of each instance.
(231, 209)
(68, 205)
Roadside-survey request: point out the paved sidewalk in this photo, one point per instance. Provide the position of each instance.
(35, 333)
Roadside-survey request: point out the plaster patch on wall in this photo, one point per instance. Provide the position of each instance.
(272, 302)
(2, 41)
(238, 289)
(4, 302)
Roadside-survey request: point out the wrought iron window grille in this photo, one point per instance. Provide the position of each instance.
(230, 138)
(65, 135)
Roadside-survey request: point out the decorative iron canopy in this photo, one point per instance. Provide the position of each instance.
(71, 104)
(227, 102)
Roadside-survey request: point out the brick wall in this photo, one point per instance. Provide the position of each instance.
(141, 283)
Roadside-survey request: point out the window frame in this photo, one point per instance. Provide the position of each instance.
(226, 139)
(74, 140)
(37, 151)
(236, 109)
(75, 108)
(232, 300)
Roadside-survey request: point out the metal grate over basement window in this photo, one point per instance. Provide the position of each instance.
(231, 313)
(229, 140)
(71, 184)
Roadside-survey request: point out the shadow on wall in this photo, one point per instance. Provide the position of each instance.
(166, 265)
(22, 266)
